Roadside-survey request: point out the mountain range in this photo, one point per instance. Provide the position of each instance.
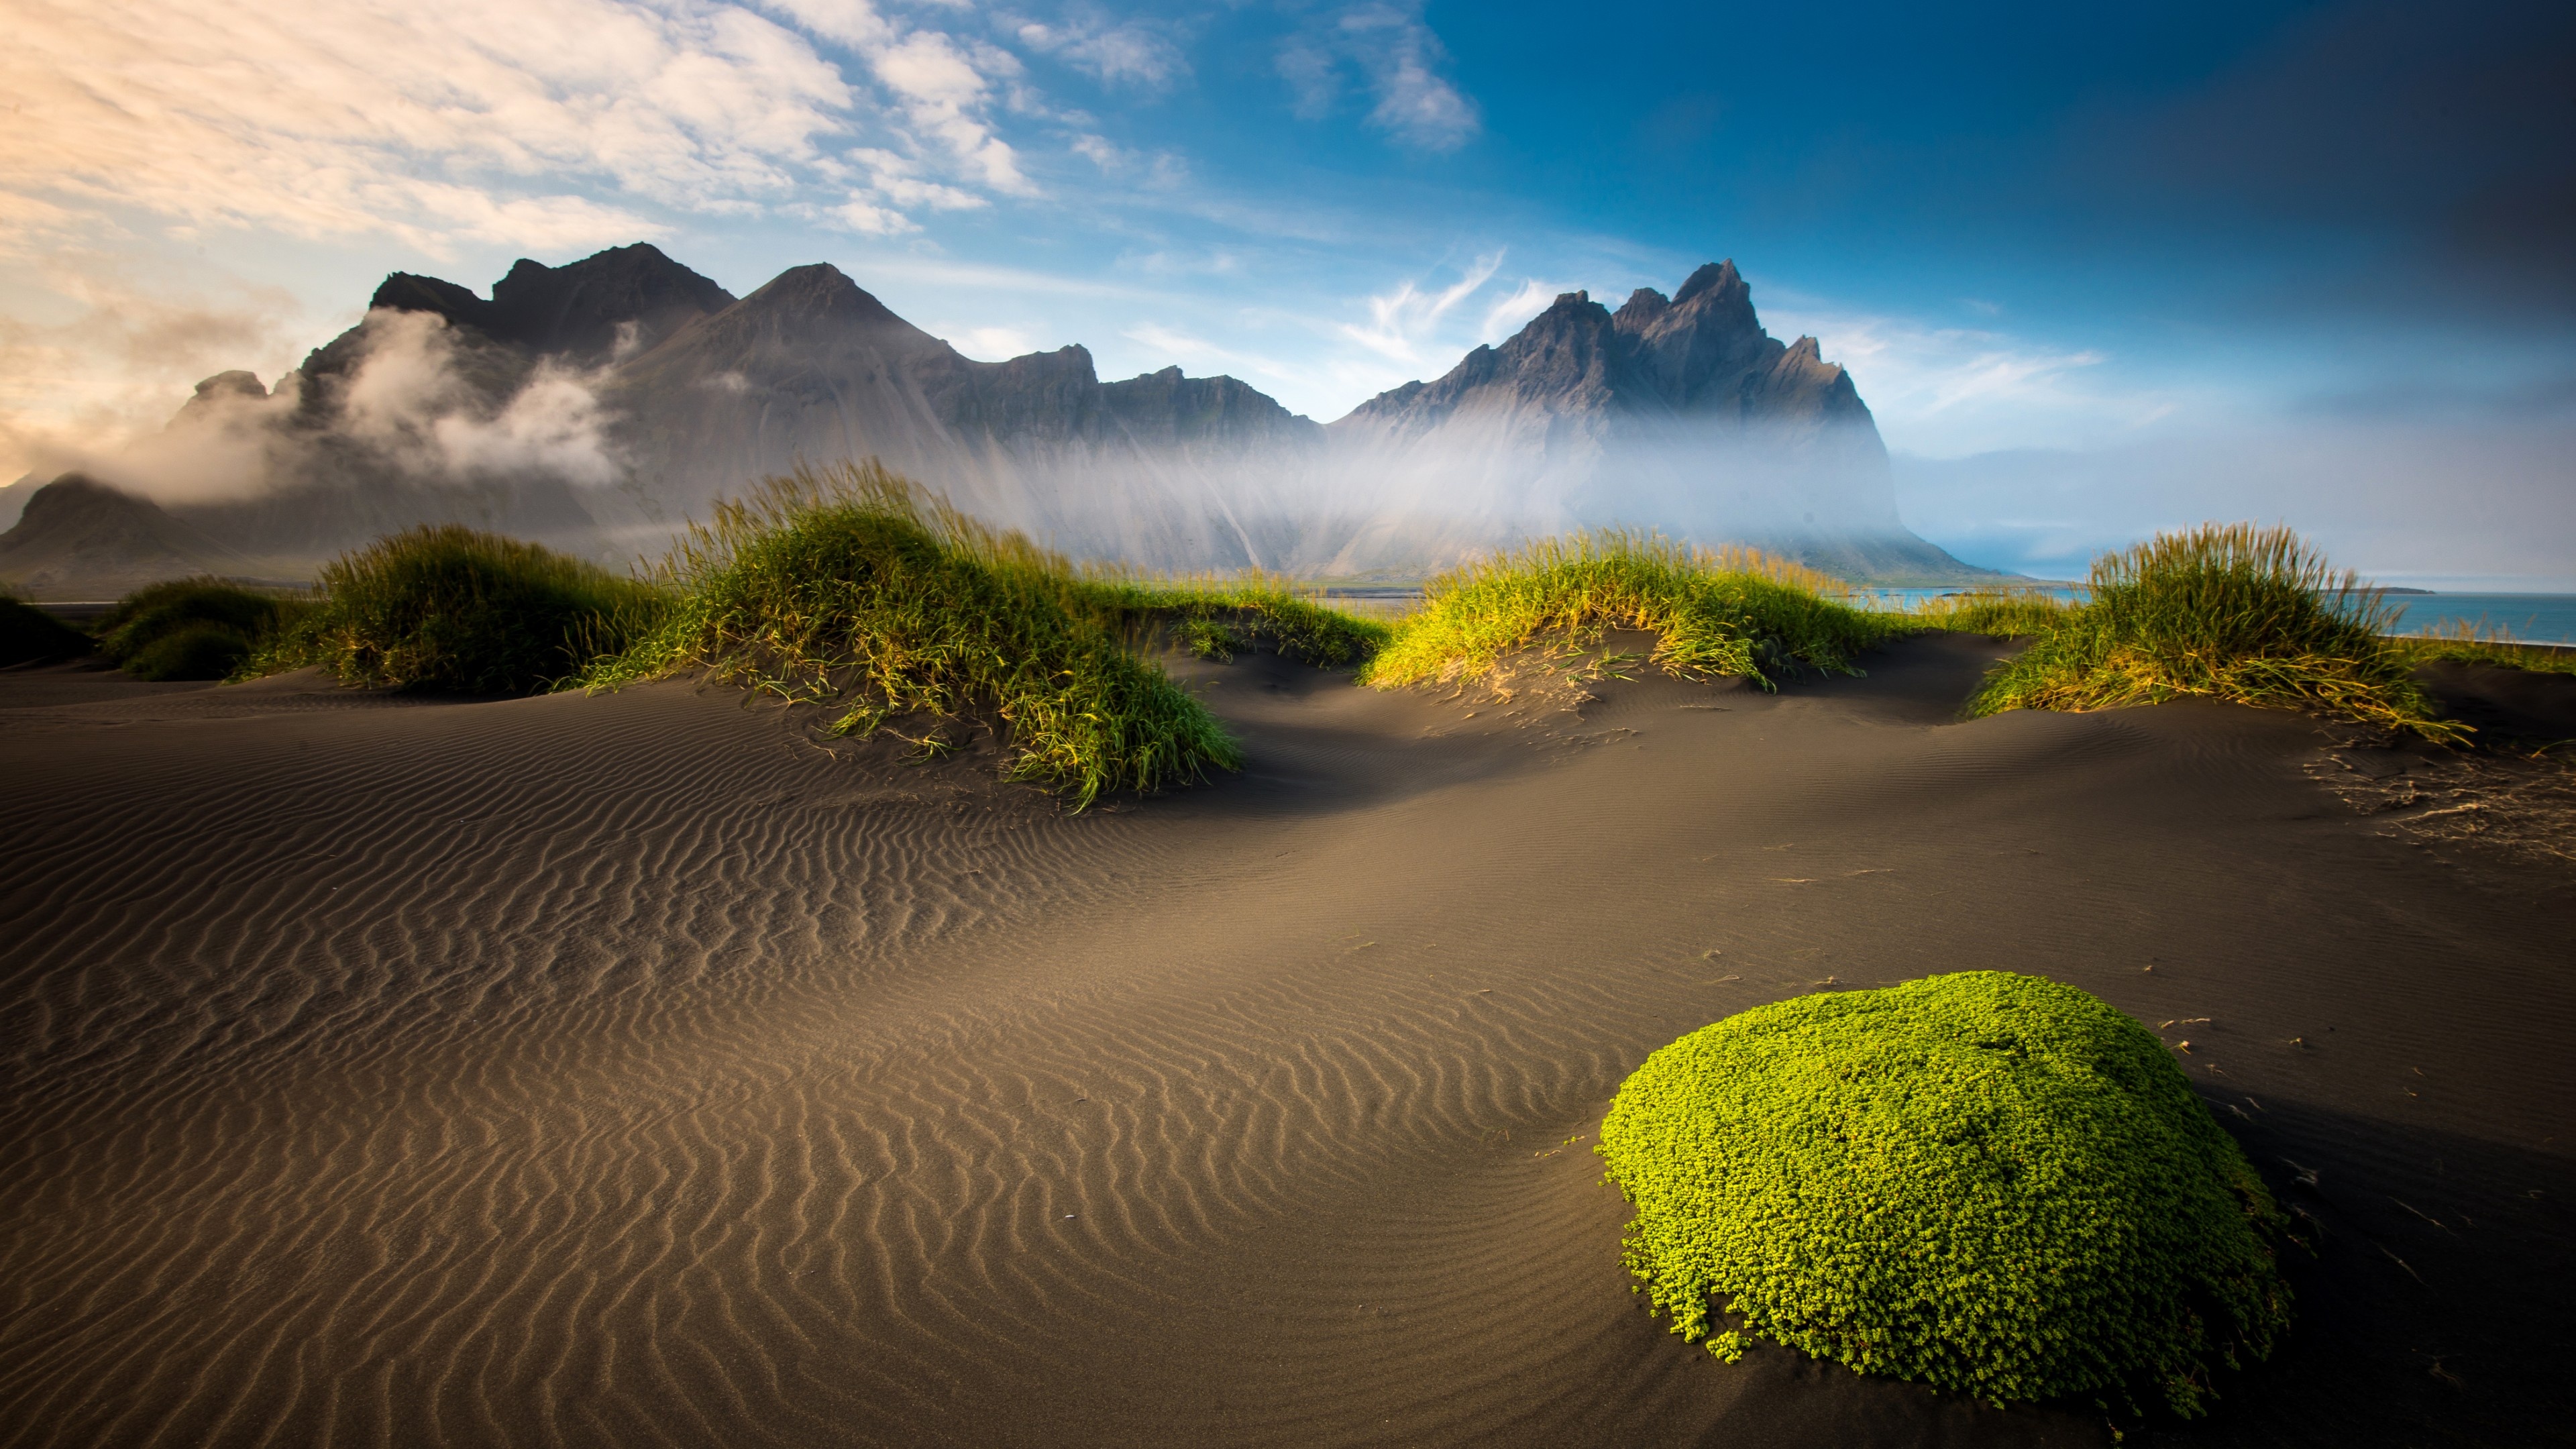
(598, 405)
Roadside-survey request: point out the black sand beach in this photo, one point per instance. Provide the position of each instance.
(633, 1069)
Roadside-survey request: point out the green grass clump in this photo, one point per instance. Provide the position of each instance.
(1999, 613)
(1986, 1182)
(29, 635)
(1214, 618)
(450, 608)
(201, 628)
(853, 588)
(2226, 611)
(1735, 611)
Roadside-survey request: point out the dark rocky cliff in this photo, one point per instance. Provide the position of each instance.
(1700, 354)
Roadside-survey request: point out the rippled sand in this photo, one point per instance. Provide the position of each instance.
(634, 1070)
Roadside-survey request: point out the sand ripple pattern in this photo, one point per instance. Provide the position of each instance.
(629, 1071)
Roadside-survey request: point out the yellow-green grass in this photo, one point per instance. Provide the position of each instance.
(2462, 643)
(1991, 1183)
(197, 628)
(1998, 613)
(855, 589)
(1734, 611)
(29, 635)
(1215, 616)
(2231, 612)
(449, 608)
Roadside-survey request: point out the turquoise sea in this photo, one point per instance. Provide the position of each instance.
(2528, 618)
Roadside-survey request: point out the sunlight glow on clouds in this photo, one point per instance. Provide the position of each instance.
(552, 125)
(122, 358)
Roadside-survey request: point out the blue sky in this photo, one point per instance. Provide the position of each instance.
(2098, 270)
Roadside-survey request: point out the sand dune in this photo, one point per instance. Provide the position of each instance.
(634, 1069)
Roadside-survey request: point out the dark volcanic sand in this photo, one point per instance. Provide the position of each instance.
(630, 1070)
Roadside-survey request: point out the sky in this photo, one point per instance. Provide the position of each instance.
(2098, 270)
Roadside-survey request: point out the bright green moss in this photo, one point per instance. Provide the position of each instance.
(1986, 1182)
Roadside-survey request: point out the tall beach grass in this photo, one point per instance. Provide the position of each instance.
(2233, 612)
(449, 608)
(1732, 611)
(853, 588)
(2000, 613)
(1215, 616)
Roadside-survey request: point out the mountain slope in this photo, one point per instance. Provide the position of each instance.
(80, 539)
(1677, 413)
(812, 368)
(599, 404)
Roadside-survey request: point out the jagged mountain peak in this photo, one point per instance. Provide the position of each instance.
(626, 297)
(1700, 353)
(1720, 278)
(614, 301)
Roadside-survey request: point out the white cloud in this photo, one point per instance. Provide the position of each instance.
(1397, 58)
(944, 95)
(899, 180)
(852, 23)
(1126, 55)
(865, 217)
(1513, 313)
(1161, 171)
(1949, 391)
(1401, 320)
(409, 399)
(992, 344)
(548, 125)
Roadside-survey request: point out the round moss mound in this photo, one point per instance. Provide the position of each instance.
(1986, 1182)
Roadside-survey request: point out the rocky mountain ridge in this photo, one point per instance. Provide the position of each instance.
(1701, 353)
(597, 405)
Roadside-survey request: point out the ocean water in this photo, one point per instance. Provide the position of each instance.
(2527, 618)
(2530, 618)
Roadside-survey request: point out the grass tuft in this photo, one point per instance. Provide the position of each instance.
(1734, 611)
(2226, 611)
(853, 588)
(1997, 613)
(1216, 617)
(1987, 1182)
(200, 628)
(450, 608)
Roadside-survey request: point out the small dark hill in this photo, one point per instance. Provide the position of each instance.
(81, 539)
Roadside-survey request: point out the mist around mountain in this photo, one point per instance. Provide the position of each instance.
(598, 405)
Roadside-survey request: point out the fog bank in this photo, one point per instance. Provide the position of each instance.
(2451, 504)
